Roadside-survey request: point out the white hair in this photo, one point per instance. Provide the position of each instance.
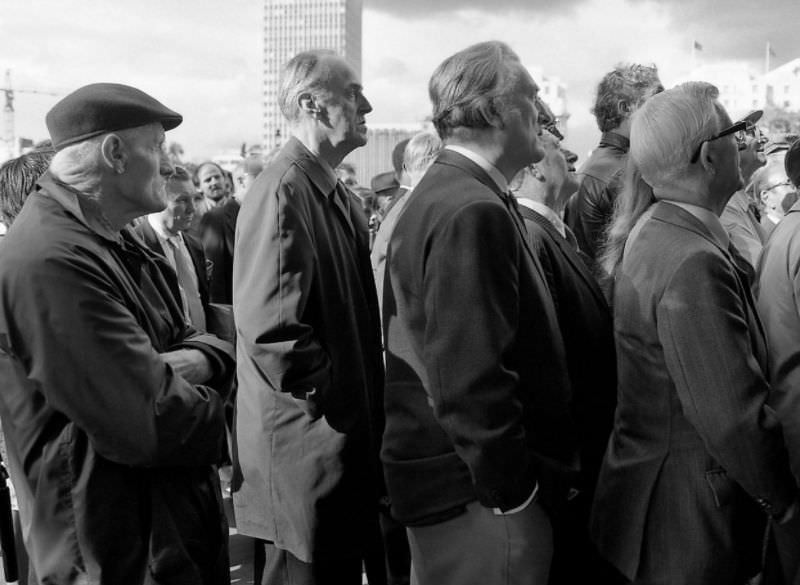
(420, 152)
(667, 130)
(79, 165)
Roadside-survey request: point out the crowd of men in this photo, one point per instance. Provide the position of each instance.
(487, 368)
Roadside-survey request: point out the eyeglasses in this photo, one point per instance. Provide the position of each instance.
(547, 120)
(737, 128)
(786, 183)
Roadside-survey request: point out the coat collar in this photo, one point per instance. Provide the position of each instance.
(614, 140)
(455, 159)
(83, 209)
(319, 172)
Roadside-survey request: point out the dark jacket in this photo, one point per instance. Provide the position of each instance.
(477, 392)
(309, 363)
(217, 229)
(590, 209)
(145, 231)
(110, 451)
(584, 319)
(695, 455)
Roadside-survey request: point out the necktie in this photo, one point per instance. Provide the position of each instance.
(187, 280)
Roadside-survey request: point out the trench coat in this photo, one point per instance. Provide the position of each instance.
(309, 365)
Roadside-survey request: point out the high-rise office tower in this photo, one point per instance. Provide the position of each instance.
(291, 26)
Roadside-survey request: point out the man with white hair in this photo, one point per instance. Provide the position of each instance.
(308, 343)
(110, 418)
(695, 464)
(420, 152)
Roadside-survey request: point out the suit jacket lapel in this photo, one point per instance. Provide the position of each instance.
(569, 252)
(674, 215)
(452, 158)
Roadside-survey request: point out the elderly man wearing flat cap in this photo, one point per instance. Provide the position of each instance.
(109, 408)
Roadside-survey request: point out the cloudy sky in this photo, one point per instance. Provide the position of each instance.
(203, 57)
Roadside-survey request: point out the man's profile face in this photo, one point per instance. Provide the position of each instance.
(147, 168)
(775, 188)
(179, 213)
(213, 183)
(560, 182)
(727, 178)
(522, 123)
(344, 109)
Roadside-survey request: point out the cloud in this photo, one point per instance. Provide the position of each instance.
(426, 9)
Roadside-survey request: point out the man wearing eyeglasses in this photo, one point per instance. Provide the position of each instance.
(741, 216)
(778, 293)
(695, 464)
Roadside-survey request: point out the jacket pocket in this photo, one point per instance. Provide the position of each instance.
(722, 488)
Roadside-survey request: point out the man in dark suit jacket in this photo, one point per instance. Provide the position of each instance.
(585, 322)
(309, 361)
(218, 229)
(477, 391)
(166, 234)
(695, 463)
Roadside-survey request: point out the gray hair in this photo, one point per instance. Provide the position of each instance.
(306, 72)
(668, 129)
(420, 152)
(79, 165)
(665, 133)
(473, 88)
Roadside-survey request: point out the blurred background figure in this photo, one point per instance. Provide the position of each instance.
(741, 217)
(620, 93)
(775, 191)
(165, 232)
(778, 296)
(346, 173)
(420, 152)
(245, 173)
(391, 185)
(18, 178)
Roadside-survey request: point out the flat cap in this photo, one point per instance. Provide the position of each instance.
(792, 163)
(104, 107)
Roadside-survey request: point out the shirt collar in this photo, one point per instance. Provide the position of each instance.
(490, 169)
(615, 140)
(83, 208)
(708, 218)
(544, 211)
(162, 233)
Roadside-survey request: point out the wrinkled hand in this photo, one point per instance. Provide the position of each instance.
(191, 364)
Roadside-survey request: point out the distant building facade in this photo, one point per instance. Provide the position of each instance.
(376, 156)
(743, 90)
(553, 92)
(292, 26)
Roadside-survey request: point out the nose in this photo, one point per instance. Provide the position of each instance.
(571, 157)
(165, 166)
(364, 107)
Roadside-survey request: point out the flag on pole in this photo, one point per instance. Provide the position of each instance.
(771, 52)
(697, 46)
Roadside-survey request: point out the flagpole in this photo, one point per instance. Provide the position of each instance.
(766, 59)
(694, 56)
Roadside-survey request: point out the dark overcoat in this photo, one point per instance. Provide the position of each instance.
(110, 451)
(309, 362)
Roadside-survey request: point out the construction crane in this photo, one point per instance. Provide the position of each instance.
(8, 112)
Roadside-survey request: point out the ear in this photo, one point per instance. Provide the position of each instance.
(308, 105)
(114, 154)
(708, 158)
